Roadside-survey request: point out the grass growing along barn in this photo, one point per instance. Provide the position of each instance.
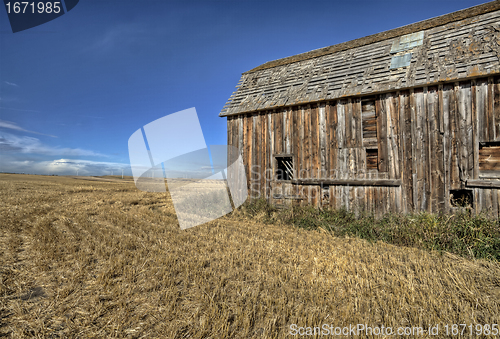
(470, 236)
(96, 259)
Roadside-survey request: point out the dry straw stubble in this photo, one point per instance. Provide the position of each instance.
(95, 259)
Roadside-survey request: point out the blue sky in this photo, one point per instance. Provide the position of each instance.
(73, 90)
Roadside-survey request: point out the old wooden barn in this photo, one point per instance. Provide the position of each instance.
(400, 121)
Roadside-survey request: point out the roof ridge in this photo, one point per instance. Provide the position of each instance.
(417, 26)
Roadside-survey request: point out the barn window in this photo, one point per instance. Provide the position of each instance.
(399, 61)
(284, 167)
(461, 198)
(489, 159)
(408, 41)
(372, 159)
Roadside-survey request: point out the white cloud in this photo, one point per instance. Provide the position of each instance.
(14, 126)
(11, 84)
(14, 144)
(62, 167)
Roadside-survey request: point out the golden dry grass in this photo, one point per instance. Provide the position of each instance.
(100, 259)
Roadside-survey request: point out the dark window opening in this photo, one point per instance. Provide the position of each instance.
(371, 159)
(461, 198)
(284, 168)
(325, 194)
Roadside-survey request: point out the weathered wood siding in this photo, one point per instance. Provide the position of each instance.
(423, 144)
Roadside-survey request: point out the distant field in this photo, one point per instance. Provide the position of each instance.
(93, 258)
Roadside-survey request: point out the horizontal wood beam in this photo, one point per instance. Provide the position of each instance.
(348, 182)
(483, 183)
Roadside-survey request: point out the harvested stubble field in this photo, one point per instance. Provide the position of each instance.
(100, 259)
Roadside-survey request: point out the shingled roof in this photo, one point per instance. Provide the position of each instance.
(451, 47)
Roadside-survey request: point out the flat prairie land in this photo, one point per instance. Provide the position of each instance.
(100, 259)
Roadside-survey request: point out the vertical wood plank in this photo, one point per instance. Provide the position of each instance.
(496, 106)
(349, 131)
(356, 127)
(307, 143)
(270, 154)
(295, 141)
(488, 203)
(421, 160)
(478, 110)
(427, 150)
(390, 145)
(315, 161)
(263, 154)
(286, 130)
(341, 123)
(478, 119)
(440, 169)
(244, 150)
(230, 142)
(314, 196)
(278, 130)
(302, 146)
(380, 111)
(468, 137)
(462, 123)
(445, 113)
(436, 154)
(454, 139)
(413, 122)
(494, 203)
(323, 156)
(432, 144)
(406, 152)
(230, 131)
(333, 200)
(255, 185)
(249, 137)
(240, 134)
(489, 108)
(333, 146)
(394, 134)
(257, 154)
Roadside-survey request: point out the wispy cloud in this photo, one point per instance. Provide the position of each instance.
(5, 99)
(29, 145)
(91, 116)
(118, 36)
(17, 109)
(84, 167)
(11, 84)
(14, 126)
(62, 167)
